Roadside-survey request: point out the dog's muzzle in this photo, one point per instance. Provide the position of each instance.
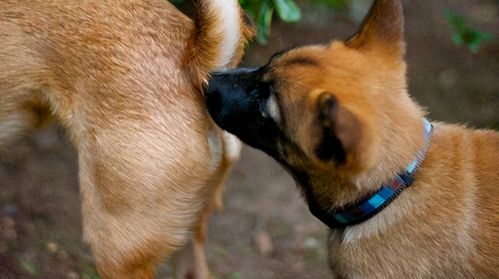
(226, 95)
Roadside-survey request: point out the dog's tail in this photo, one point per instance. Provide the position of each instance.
(218, 37)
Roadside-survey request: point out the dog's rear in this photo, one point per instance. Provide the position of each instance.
(123, 77)
(42, 42)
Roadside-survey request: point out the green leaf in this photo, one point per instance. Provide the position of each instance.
(264, 21)
(458, 40)
(287, 10)
(465, 34)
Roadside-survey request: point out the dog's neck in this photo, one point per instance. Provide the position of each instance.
(369, 204)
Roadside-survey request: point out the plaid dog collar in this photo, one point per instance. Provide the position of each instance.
(377, 201)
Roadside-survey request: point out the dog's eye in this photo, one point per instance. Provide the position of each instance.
(270, 109)
(263, 109)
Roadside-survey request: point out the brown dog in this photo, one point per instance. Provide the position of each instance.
(403, 198)
(124, 78)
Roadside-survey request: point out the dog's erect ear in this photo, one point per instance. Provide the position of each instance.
(382, 29)
(341, 131)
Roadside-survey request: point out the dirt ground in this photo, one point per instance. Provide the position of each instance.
(265, 230)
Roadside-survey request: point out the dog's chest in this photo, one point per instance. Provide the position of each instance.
(360, 259)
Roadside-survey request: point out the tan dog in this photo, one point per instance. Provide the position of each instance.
(124, 77)
(403, 199)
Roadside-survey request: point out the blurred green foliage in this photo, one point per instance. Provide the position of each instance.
(89, 272)
(287, 10)
(465, 34)
(262, 11)
(332, 3)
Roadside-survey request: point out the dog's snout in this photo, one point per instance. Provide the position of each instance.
(227, 94)
(216, 84)
(212, 95)
(212, 87)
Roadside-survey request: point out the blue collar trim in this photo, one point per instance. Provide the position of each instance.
(377, 201)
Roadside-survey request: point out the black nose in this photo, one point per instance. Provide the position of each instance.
(226, 95)
(212, 95)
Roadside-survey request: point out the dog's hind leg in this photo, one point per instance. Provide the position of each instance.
(191, 261)
(140, 196)
(232, 150)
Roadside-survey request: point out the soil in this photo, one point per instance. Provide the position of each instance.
(265, 230)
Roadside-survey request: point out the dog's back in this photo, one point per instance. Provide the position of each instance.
(123, 77)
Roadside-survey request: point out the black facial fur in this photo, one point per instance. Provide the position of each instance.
(236, 101)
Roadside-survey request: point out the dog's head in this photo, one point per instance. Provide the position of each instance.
(324, 106)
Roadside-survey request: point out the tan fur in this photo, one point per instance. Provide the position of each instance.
(124, 79)
(446, 225)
